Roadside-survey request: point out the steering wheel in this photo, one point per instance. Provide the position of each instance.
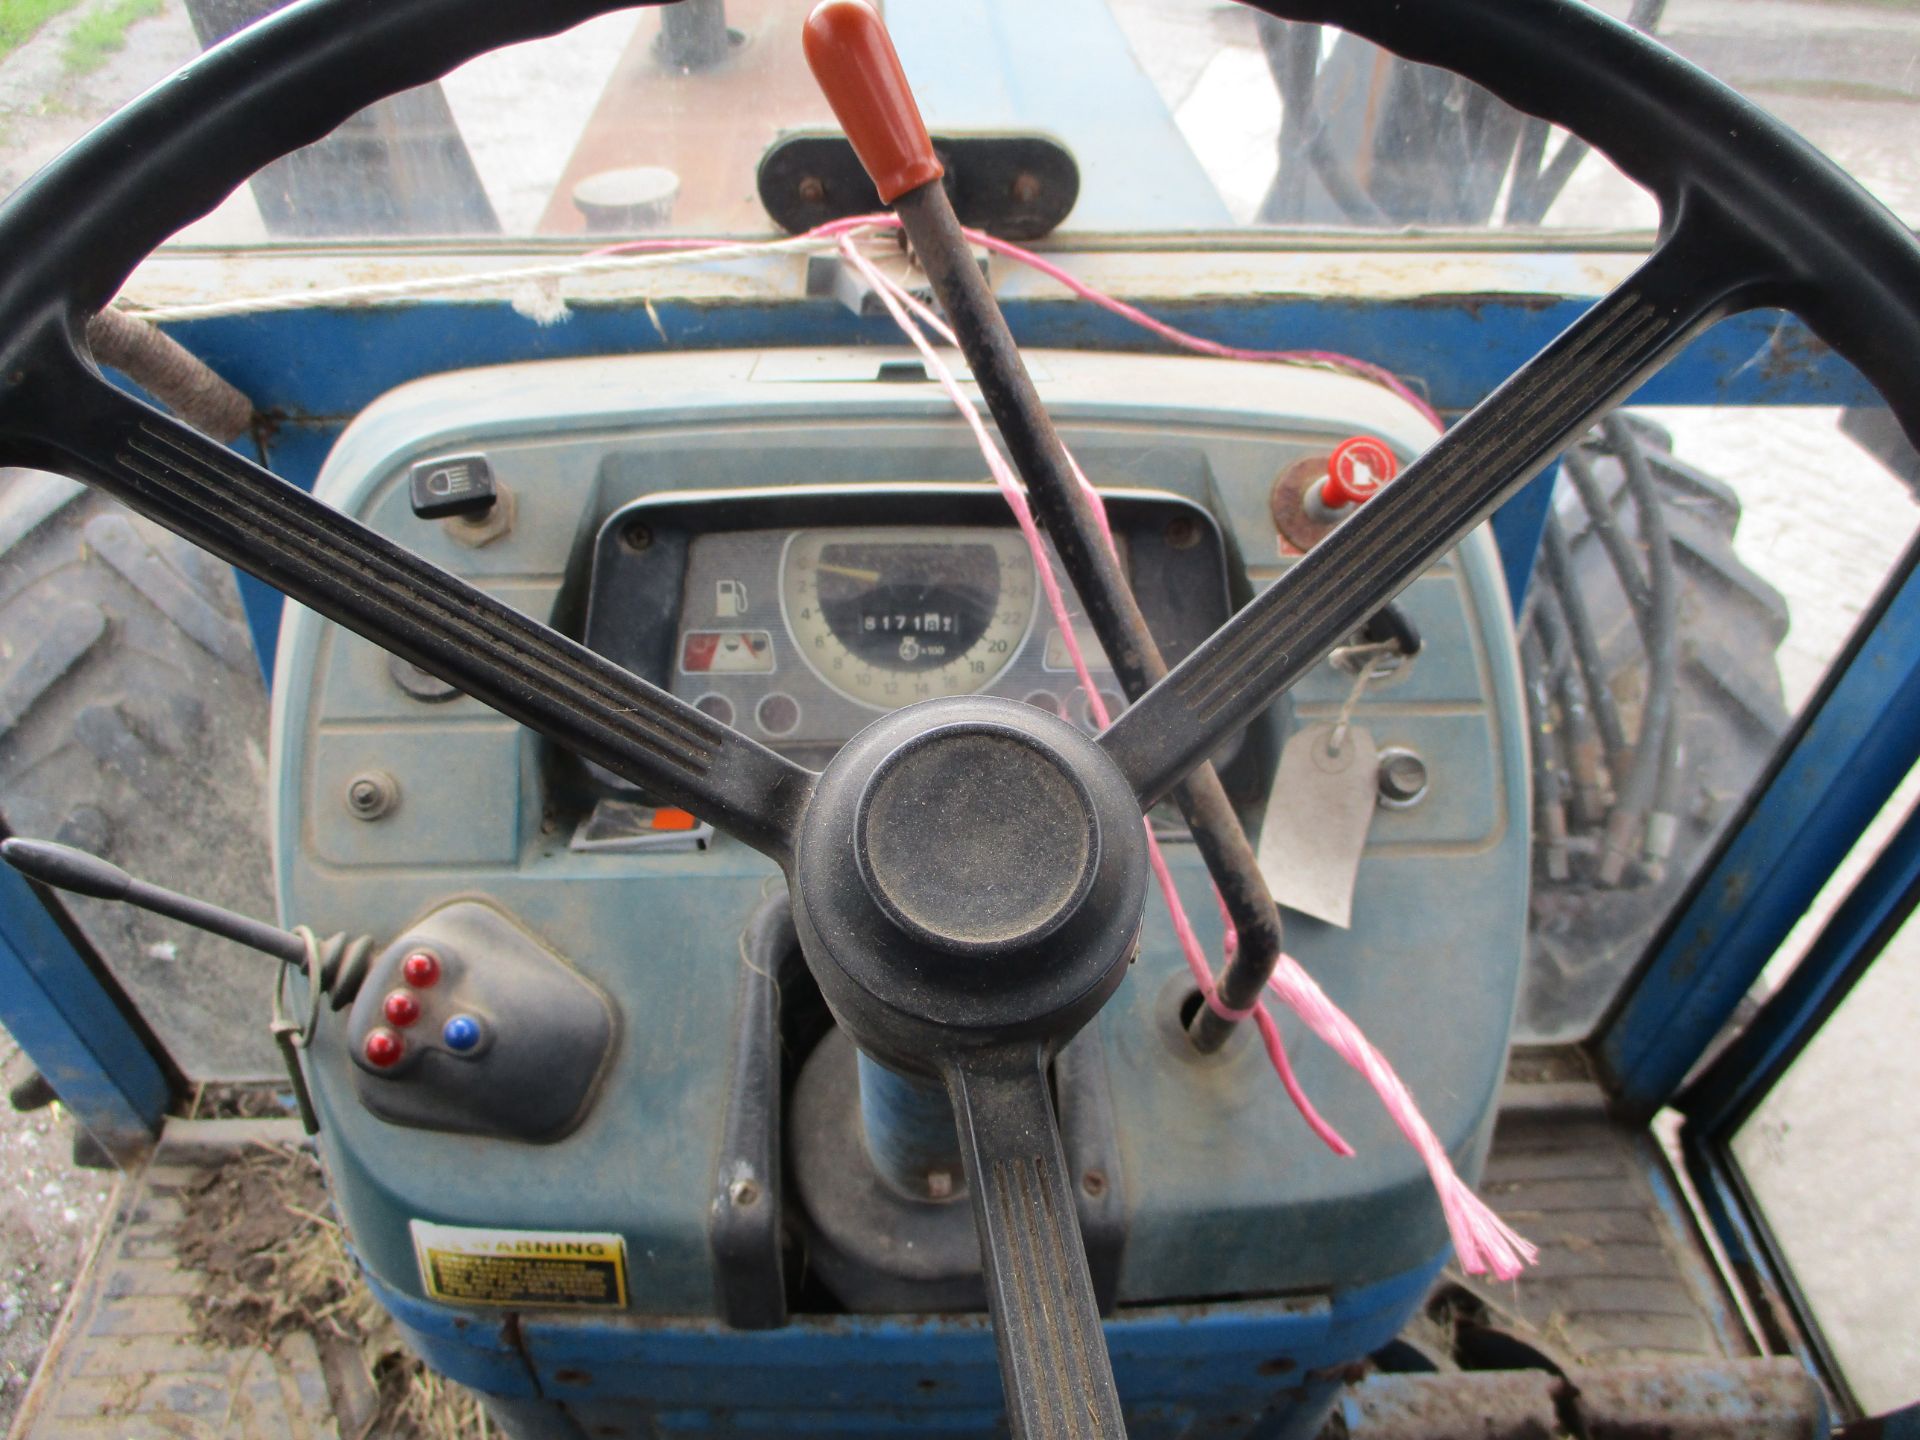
(971, 963)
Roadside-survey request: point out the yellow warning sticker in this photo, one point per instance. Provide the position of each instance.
(472, 1266)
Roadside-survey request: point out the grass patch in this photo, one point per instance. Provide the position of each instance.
(102, 33)
(19, 19)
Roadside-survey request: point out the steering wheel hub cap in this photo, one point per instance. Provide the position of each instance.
(975, 839)
(968, 870)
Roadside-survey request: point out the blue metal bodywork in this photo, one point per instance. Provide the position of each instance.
(70, 1020)
(1260, 1368)
(1725, 1095)
(1220, 1178)
(980, 68)
(316, 369)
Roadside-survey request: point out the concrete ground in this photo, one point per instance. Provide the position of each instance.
(1822, 523)
(49, 1211)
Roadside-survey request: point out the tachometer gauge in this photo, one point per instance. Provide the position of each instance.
(891, 615)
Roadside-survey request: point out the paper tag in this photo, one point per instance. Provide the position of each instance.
(1317, 818)
(472, 1266)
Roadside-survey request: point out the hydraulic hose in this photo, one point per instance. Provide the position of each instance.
(1293, 56)
(1586, 644)
(1549, 798)
(1534, 187)
(1606, 524)
(1586, 751)
(1640, 793)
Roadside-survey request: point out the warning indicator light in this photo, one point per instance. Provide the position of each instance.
(384, 1048)
(727, 652)
(421, 968)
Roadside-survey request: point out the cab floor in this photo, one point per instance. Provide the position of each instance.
(1622, 1279)
(127, 1361)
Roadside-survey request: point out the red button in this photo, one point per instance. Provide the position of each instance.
(384, 1048)
(401, 1009)
(1357, 469)
(421, 968)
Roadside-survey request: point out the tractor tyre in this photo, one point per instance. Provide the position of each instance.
(133, 724)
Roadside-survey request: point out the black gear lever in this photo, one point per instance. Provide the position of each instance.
(334, 967)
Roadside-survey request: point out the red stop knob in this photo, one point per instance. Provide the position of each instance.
(401, 1009)
(421, 968)
(383, 1048)
(1356, 470)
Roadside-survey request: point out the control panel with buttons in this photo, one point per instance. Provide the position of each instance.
(468, 1023)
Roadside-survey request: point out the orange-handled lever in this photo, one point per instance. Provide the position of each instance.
(854, 60)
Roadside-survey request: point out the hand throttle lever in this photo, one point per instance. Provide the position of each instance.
(61, 867)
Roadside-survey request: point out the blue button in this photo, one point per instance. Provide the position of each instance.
(462, 1032)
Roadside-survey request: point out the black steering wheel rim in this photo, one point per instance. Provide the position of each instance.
(76, 231)
(1751, 213)
(1819, 245)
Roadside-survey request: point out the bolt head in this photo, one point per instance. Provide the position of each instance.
(372, 795)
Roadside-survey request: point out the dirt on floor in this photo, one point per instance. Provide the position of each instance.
(260, 1232)
(273, 1262)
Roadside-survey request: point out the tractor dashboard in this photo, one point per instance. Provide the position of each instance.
(789, 534)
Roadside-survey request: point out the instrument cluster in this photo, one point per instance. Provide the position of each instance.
(801, 633)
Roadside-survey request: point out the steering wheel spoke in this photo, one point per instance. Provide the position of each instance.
(1053, 1353)
(1689, 281)
(85, 428)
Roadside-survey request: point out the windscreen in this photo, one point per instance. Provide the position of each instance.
(1175, 116)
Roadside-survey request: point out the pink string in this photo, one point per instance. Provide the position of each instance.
(1186, 340)
(1483, 1242)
